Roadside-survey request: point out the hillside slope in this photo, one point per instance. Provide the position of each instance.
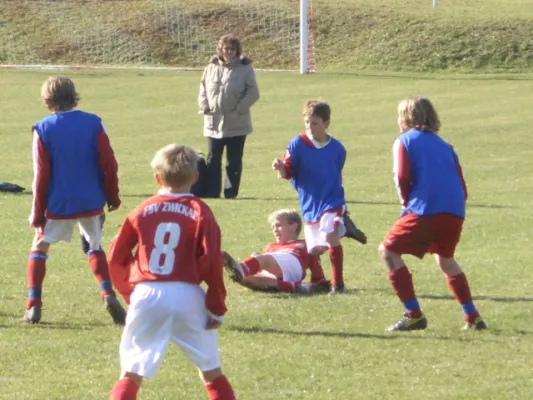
(351, 34)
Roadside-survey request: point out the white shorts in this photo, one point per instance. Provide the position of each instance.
(56, 230)
(315, 234)
(290, 266)
(161, 312)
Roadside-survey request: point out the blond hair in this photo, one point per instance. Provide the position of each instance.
(418, 112)
(317, 108)
(288, 215)
(176, 164)
(59, 94)
(231, 40)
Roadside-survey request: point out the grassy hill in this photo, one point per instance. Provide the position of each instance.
(393, 35)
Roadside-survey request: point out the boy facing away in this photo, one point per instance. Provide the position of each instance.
(75, 175)
(313, 163)
(164, 250)
(282, 265)
(433, 196)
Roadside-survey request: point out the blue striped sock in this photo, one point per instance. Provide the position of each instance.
(411, 305)
(35, 293)
(106, 286)
(469, 308)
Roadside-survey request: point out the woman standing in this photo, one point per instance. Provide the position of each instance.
(227, 91)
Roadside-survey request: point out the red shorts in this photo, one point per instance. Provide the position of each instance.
(418, 235)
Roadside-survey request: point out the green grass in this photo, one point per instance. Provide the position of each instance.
(352, 35)
(279, 346)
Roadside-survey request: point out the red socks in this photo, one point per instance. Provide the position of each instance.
(36, 272)
(219, 389)
(458, 284)
(251, 266)
(402, 283)
(124, 389)
(336, 255)
(100, 270)
(459, 287)
(317, 273)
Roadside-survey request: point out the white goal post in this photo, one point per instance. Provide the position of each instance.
(276, 34)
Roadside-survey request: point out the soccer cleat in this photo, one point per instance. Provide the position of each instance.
(407, 323)
(337, 289)
(33, 315)
(233, 267)
(477, 325)
(323, 286)
(353, 231)
(115, 309)
(303, 288)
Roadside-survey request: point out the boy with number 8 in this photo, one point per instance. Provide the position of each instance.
(165, 248)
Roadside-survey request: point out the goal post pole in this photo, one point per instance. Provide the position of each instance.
(304, 36)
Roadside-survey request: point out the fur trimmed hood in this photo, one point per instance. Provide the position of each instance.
(242, 60)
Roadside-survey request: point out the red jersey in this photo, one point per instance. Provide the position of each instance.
(170, 238)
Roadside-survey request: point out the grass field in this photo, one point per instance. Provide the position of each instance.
(281, 346)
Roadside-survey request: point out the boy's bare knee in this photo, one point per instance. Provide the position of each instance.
(333, 239)
(318, 250)
(393, 260)
(383, 252)
(448, 265)
(133, 377)
(40, 245)
(211, 375)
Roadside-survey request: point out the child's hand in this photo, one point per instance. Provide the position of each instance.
(277, 165)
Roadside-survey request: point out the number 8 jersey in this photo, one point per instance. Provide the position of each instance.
(170, 238)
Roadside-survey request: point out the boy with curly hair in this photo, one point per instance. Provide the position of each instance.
(433, 195)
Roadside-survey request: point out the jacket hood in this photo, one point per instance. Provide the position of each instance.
(242, 60)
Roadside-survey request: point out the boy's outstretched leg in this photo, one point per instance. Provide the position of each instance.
(352, 231)
(36, 272)
(458, 284)
(100, 270)
(250, 266)
(402, 283)
(217, 385)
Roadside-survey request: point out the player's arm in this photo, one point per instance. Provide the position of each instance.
(284, 167)
(251, 93)
(402, 171)
(109, 165)
(120, 258)
(211, 268)
(460, 172)
(202, 96)
(342, 158)
(41, 179)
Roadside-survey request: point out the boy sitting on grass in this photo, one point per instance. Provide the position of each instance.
(282, 265)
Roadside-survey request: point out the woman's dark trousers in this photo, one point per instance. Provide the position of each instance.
(234, 152)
